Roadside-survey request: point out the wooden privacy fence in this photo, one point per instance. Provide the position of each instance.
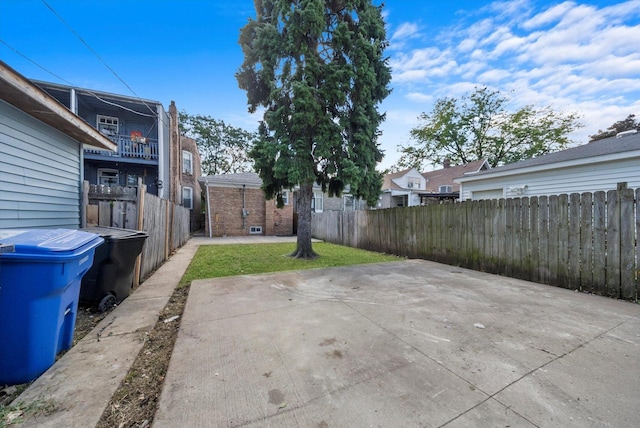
(586, 242)
(166, 223)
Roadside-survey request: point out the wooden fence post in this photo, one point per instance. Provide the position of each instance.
(167, 229)
(140, 203)
(84, 204)
(627, 238)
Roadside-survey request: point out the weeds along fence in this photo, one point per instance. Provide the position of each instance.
(586, 242)
(132, 208)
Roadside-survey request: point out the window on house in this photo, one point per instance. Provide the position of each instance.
(187, 197)
(255, 230)
(108, 177)
(187, 162)
(107, 125)
(316, 202)
(446, 189)
(132, 179)
(413, 182)
(285, 197)
(348, 203)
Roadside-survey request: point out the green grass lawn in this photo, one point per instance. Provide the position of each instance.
(214, 261)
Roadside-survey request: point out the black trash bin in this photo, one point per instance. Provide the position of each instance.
(110, 278)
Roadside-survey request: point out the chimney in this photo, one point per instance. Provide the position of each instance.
(446, 163)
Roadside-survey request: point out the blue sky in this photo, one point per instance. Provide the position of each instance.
(577, 56)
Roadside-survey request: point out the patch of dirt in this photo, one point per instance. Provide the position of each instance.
(86, 319)
(134, 403)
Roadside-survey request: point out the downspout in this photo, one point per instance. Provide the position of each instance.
(206, 185)
(244, 211)
(161, 153)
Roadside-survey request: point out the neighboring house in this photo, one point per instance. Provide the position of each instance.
(440, 184)
(41, 154)
(140, 129)
(235, 206)
(346, 202)
(402, 189)
(599, 165)
(190, 190)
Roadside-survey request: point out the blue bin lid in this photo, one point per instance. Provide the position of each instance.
(45, 241)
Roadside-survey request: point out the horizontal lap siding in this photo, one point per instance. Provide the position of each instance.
(584, 178)
(39, 173)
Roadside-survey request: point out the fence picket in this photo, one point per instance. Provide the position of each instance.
(599, 242)
(526, 239)
(613, 245)
(586, 242)
(534, 238)
(627, 242)
(573, 245)
(563, 242)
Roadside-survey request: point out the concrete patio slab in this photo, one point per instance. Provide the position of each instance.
(411, 343)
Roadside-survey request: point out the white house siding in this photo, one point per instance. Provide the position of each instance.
(575, 179)
(39, 173)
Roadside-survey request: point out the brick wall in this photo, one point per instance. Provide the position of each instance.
(279, 221)
(175, 156)
(226, 213)
(191, 180)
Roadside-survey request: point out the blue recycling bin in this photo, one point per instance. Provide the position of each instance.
(40, 275)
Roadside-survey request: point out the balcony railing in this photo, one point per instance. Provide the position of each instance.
(137, 148)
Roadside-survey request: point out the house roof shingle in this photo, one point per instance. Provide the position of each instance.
(607, 146)
(445, 176)
(250, 179)
(387, 180)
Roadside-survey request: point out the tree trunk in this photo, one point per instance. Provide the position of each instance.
(304, 250)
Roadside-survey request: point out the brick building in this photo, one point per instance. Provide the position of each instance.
(235, 206)
(191, 193)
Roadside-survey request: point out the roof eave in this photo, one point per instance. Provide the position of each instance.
(24, 95)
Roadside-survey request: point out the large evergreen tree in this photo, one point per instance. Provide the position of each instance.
(317, 67)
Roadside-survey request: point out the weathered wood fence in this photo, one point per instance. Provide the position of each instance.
(586, 242)
(166, 223)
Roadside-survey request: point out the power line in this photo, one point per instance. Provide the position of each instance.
(95, 53)
(35, 63)
(76, 86)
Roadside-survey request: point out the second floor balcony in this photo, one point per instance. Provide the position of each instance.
(130, 148)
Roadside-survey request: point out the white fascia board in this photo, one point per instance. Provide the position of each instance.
(216, 182)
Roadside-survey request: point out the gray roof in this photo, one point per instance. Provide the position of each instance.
(250, 179)
(607, 146)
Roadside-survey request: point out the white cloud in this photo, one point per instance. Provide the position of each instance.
(466, 45)
(548, 16)
(419, 97)
(406, 30)
(493, 76)
(611, 66)
(421, 64)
